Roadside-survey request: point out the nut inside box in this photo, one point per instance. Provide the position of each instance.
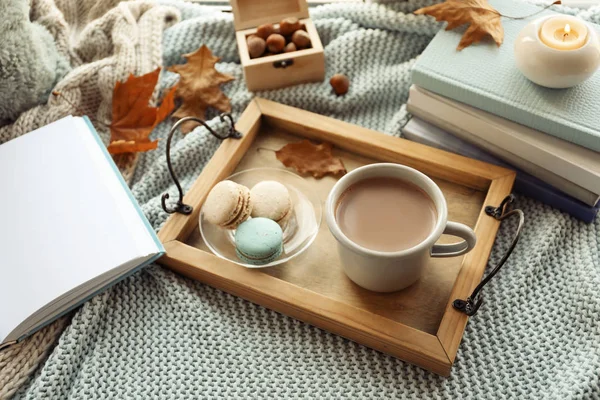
(270, 40)
(418, 324)
(283, 69)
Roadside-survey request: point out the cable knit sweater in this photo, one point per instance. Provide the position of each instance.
(30, 63)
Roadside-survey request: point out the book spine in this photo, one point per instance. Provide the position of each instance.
(525, 184)
(420, 106)
(553, 125)
(556, 199)
(567, 160)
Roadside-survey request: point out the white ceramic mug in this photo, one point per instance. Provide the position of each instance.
(391, 271)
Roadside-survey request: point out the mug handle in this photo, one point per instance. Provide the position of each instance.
(455, 249)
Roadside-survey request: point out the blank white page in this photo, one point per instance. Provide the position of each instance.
(65, 218)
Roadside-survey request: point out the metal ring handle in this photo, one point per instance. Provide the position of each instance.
(474, 301)
(180, 207)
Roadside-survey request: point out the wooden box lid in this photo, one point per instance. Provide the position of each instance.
(252, 13)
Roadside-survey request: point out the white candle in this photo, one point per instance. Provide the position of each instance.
(564, 33)
(557, 51)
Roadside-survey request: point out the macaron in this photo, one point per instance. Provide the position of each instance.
(228, 205)
(258, 241)
(271, 199)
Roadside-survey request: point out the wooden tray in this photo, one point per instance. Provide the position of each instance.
(418, 324)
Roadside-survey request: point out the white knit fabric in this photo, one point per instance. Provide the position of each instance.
(105, 41)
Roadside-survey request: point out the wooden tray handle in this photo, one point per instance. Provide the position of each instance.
(474, 301)
(180, 207)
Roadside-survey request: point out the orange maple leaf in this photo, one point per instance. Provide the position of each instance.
(198, 87)
(307, 157)
(482, 18)
(132, 118)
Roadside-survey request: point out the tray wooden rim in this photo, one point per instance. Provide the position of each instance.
(433, 352)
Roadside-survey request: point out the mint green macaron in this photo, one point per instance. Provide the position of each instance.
(258, 241)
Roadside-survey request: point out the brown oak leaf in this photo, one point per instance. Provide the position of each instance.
(198, 87)
(132, 118)
(307, 157)
(482, 18)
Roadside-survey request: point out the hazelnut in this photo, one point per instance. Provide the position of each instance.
(289, 26)
(265, 30)
(275, 43)
(256, 46)
(290, 47)
(340, 84)
(301, 39)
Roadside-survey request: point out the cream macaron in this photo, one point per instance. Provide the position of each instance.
(228, 205)
(271, 199)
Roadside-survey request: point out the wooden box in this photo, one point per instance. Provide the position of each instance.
(417, 324)
(278, 70)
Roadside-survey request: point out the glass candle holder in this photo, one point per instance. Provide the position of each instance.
(557, 51)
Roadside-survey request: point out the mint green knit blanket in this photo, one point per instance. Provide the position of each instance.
(158, 335)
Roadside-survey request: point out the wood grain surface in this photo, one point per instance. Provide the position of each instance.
(417, 324)
(305, 65)
(318, 269)
(251, 13)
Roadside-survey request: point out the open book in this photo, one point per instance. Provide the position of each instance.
(69, 226)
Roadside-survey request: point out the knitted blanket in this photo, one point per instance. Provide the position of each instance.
(159, 335)
(30, 63)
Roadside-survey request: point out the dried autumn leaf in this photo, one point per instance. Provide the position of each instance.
(483, 19)
(315, 159)
(198, 87)
(132, 118)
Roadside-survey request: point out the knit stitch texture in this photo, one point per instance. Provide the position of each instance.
(159, 335)
(30, 63)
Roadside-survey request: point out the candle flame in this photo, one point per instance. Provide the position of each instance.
(567, 28)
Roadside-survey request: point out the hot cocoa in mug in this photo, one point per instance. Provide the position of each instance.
(385, 214)
(386, 219)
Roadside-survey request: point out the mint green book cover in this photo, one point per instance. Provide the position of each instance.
(485, 76)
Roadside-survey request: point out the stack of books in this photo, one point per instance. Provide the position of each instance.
(477, 103)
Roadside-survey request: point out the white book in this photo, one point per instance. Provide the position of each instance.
(570, 168)
(570, 161)
(69, 226)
